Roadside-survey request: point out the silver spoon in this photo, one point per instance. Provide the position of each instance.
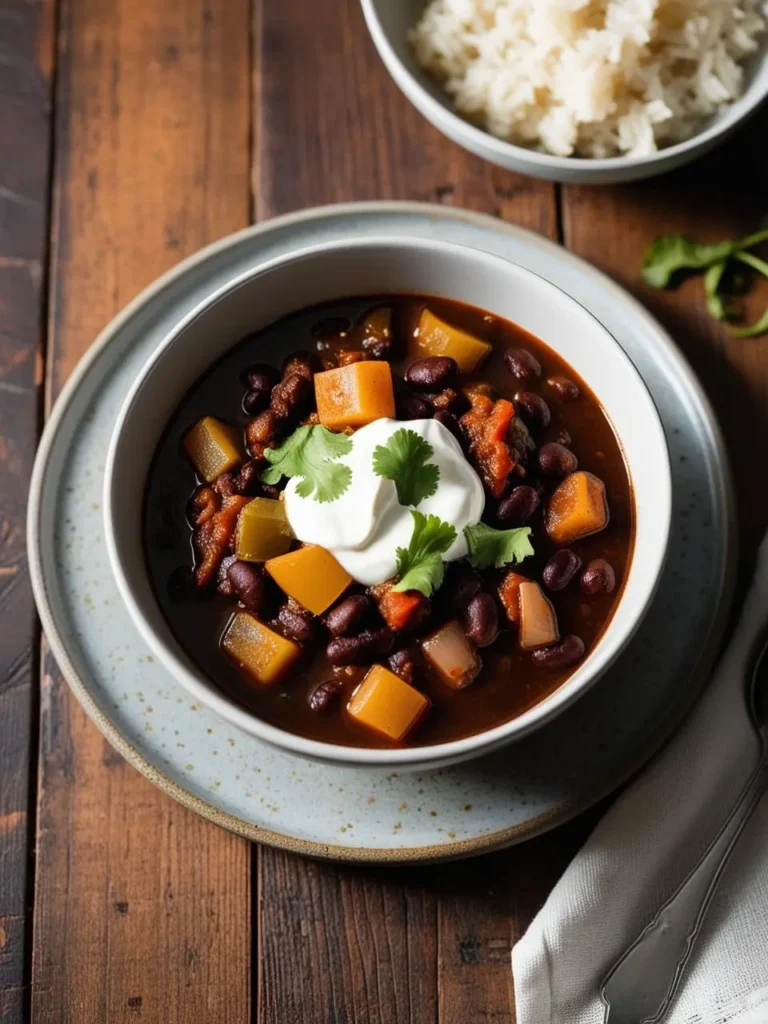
(639, 989)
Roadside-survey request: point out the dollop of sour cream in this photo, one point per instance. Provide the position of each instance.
(364, 527)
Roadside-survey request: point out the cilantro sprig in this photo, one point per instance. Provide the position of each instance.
(420, 566)
(669, 255)
(497, 547)
(403, 459)
(310, 452)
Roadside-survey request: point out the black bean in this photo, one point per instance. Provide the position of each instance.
(561, 655)
(522, 364)
(481, 620)
(347, 614)
(363, 649)
(261, 377)
(431, 374)
(247, 480)
(560, 569)
(598, 578)
(450, 422)
(290, 398)
(325, 695)
(249, 583)
(226, 484)
(296, 623)
(254, 401)
(556, 461)
(223, 582)
(518, 507)
(406, 662)
(459, 587)
(533, 410)
(411, 407)
(565, 388)
(271, 491)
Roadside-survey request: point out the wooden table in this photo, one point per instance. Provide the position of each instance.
(133, 132)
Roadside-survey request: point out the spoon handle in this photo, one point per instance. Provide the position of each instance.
(641, 986)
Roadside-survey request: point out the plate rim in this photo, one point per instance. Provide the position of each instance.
(487, 842)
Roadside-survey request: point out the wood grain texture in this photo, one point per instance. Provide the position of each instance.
(142, 908)
(723, 196)
(26, 32)
(342, 945)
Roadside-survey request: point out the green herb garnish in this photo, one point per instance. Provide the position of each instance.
(671, 254)
(497, 547)
(420, 565)
(310, 453)
(403, 459)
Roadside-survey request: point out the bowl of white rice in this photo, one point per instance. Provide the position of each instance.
(584, 91)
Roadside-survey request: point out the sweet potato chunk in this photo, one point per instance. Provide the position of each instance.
(310, 575)
(452, 655)
(213, 447)
(434, 337)
(262, 653)
(353, 395)
(263, 531)
(387, 704)
(538, 622)
(577, 508)
(509, 594)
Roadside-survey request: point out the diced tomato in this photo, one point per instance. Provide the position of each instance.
(212, 539)
(485, 426)
(399, 609)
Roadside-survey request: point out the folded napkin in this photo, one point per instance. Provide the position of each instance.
(640, 853)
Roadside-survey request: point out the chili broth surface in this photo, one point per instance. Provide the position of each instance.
(508, 683)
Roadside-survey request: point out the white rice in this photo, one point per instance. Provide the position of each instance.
(590, 78)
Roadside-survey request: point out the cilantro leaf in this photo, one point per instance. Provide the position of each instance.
(420, 565)
(497, 547)
(309, 453)
(717, 307)
(404, 460)
(761, 326)
(671, 253)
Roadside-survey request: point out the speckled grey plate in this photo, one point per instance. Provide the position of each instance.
(354, 814)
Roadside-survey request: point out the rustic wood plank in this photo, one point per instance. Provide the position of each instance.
(723, 196)
(340, 944)
(142, 908)
(26, 55)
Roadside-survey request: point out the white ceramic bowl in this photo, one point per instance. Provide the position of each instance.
(388, 22)
(375, 266)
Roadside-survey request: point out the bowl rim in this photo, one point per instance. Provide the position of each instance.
(425, 756)
(436, 112)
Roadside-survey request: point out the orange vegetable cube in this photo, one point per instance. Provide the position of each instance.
(434, 337)
(311, 576)
(509, 594)
(388, 705)
(538, 622)
(577, 508)
(399, 609)
(213, 447)
(262, 653)
(262, 531)
(356, 394)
